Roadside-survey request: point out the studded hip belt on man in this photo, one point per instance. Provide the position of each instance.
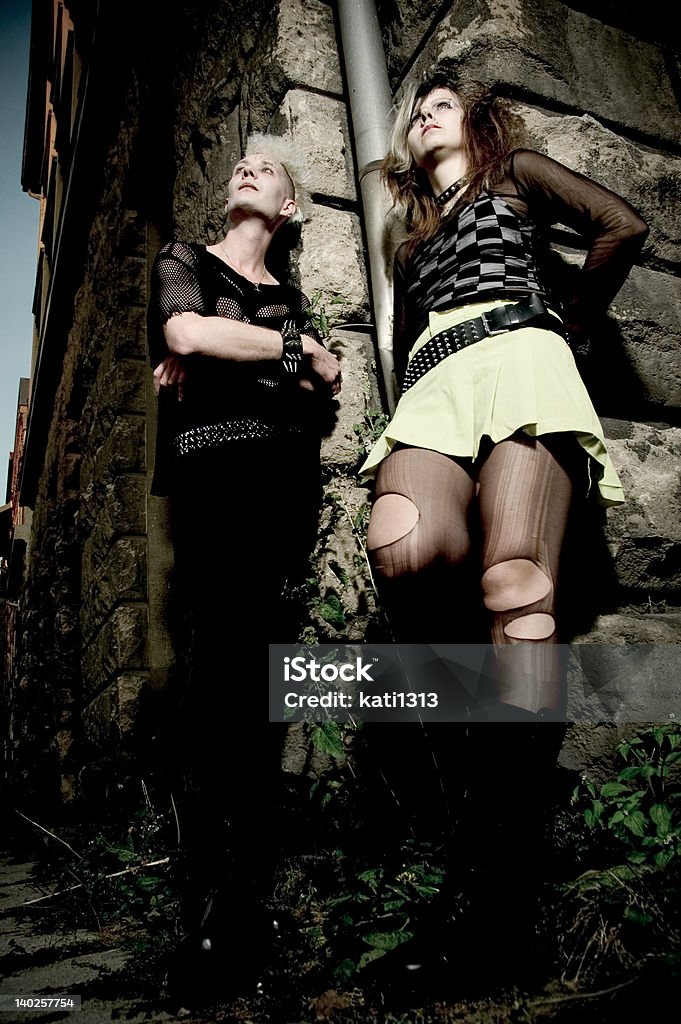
(214, 435)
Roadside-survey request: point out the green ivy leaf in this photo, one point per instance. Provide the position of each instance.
(637, 915)
(344, 970)
(332, 611)
(637, 857)
(425, 890)
(386, 941)
(432, 878)
(629, 773)
(148, 882)
(369, 956)
(337, 901)
(622, 872)
(327, 737)
(610, 789)
(372, 877)
(401, 890)
(636, 822)
(662, 817)
(123, 853)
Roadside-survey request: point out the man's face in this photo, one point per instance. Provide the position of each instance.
(260, 187)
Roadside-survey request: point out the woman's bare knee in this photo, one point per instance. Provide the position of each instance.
(393, 517)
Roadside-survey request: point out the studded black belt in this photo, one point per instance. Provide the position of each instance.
(215, 435)
(529, 312)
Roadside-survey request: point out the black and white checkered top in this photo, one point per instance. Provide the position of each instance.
(497, 247)
(484, 251)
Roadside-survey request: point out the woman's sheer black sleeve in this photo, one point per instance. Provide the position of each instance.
(614, 231)
(402, 341)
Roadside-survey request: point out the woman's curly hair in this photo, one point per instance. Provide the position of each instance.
(491, 130)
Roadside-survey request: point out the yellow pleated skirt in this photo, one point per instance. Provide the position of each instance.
(521, 380)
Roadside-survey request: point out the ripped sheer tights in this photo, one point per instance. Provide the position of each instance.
(421, 519)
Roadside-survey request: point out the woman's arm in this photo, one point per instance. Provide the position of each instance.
(615, 233)
(401, 340)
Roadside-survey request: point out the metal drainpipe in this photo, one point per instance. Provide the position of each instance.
(370, 106)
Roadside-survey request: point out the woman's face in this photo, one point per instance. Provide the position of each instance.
(436, 127)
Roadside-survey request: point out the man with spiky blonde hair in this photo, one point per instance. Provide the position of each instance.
(244, 385)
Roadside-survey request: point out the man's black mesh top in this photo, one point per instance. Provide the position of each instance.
(226, 402)
(188, 278)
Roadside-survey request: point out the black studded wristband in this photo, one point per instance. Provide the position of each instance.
(292, 354)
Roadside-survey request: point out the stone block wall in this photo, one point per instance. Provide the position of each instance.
(89, 653)
(126, 557)
(95, 645)
(44, 709)
(603, 99)
(583, 88)
(292, 85)
(600, 100)
(594, 96)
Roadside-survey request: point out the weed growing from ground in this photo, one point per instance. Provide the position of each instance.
(624, 911)
(116, 880)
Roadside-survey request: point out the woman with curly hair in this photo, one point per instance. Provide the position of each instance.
(494, 432)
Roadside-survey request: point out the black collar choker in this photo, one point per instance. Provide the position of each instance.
(445, 196)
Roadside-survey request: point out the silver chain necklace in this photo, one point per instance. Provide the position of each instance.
(256, 284)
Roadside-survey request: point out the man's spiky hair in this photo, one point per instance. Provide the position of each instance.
(281, 149)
